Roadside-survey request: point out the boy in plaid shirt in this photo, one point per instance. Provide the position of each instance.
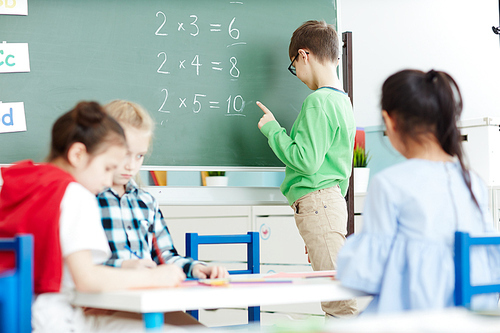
(137, 233)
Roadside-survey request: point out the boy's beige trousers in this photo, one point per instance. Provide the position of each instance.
(321, 217)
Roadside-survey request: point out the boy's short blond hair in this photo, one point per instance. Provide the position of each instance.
(319, 38)
(130, 114)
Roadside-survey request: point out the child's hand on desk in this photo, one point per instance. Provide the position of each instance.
(138, 263)
(267, 117)
(212, 272)
(169, 275)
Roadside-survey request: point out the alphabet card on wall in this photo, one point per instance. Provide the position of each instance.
(12, 117)
(14, 57)
(13, 7)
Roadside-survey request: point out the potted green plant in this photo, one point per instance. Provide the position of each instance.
(216, 178)
(361, 158)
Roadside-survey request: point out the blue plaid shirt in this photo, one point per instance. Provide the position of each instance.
(131, 220)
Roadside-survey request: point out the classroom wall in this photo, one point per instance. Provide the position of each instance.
(450, 35)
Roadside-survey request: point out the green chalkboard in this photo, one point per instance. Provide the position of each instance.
(198, 66)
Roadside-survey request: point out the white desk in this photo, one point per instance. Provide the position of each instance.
(152, 303)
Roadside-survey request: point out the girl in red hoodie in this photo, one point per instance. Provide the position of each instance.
(56, 202)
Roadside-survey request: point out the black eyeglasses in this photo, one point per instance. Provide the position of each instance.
(291, 68)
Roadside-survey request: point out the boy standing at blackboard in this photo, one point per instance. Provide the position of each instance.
(318, 153)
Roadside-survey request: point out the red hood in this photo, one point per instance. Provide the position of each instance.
(30, 202)
(24, 180)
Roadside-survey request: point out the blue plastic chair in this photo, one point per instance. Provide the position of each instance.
(463, 288)
(16, 286)
(253, 258)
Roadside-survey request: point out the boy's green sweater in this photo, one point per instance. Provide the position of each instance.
(318, 153)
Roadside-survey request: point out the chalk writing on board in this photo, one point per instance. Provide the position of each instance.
(194, 24)
(200, 65)
(237, 100)
(163, 63)
(158, 33)
(235, 106)
(215, 27)
(196, 63)
(236, 72)
(164, 101)
(233, 32)
(163, 67)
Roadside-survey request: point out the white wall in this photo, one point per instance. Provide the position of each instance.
(450, 35)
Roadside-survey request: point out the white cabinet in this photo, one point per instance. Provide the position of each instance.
(280, 241)
(494, 205)
(481, 143)
(359, 202)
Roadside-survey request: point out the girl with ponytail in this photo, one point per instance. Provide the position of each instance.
(404, 254)
(55, 202)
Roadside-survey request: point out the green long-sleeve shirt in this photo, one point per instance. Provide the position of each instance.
(318, 152)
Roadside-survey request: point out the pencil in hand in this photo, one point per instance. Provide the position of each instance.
(157, 250)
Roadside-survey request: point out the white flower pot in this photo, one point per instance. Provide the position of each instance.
(216, 180)
(361, 178)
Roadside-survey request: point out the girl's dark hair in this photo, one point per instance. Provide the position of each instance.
(86, 123)
(422, 103)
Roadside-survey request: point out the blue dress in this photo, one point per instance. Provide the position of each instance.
(404, 254)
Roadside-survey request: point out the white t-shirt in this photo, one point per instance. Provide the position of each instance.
(80, 229)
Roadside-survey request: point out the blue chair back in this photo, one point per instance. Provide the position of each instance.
(193, 240)
(463, 288)
(16, 286)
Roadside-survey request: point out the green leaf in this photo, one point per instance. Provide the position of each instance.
(216, 173)
(360, 157)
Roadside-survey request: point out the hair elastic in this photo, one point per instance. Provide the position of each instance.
(431, 76)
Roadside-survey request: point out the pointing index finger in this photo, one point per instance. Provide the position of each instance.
(263, 107)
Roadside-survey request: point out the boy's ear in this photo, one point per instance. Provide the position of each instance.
(77, 153)
(304, 53)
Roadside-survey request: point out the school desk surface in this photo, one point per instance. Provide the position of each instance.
(198, 296)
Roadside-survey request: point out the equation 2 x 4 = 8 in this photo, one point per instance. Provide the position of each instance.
(216, 65)
(235, 105)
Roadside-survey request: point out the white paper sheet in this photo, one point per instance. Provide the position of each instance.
(13, 7)
(12, 117)
(14, 57)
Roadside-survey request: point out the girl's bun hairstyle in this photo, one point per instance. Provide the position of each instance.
(88, 114)
(86, 123)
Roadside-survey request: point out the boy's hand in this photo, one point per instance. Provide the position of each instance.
(209, 272)
(138, 263)
(169, 275)
(267, 117)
